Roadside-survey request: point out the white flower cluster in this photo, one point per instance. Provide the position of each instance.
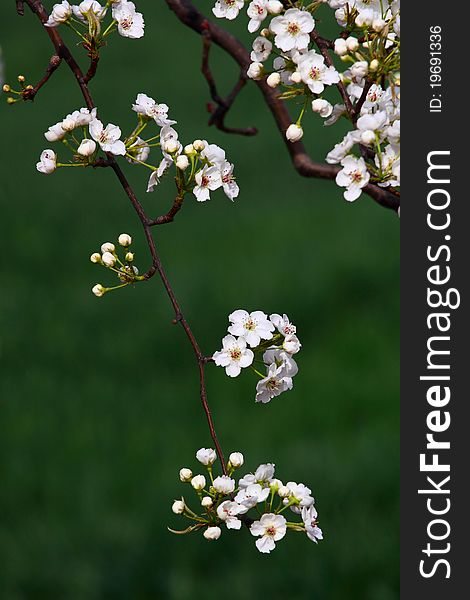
(369, 42)
(225, 503)
(274, 339)
(201, 167)
(108, 257)
(86, 18)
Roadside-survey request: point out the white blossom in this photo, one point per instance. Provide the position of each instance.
(198, 482)
(292, 29)
(283, 359)
(273, 384)
(252, 495)
(223, 484)
(254, 326)
(294, 133)
(86, 148)
(234, 355)
(271, 528)
(263, 475)
(144, 105)
(227, 9)
(206, 456)
(353, 176)
(257, 11)
(207, 179)
(107, 137)
(212, 533)
(60, 14)
(299, 493)
(130, 23)
(236, 459)
(309, 517)
(291, 344)
(47, 162)
(315, 73)
(262, 48)
(322, 107)
(228, 511)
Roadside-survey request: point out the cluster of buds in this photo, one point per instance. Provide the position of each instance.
(25, 92)
(125, 271)
(224, 503)
(273, 340)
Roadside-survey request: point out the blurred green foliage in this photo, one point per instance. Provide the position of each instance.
(99, 402)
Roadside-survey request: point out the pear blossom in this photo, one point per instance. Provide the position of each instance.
(341, 150)
(234, 355)
(212, 533)
(207, 179)
(214, 154)
(263, 476)
(47, 162)
(294, 133)
(139, 151)
(283, 359)
(206, 456)
(254, 326)
(229, 184)
(257, 11)
(322, 107)
(130, 23)
(309, 517)
(282, 324)
(86, 148)
(353, 176)
(60, 13)
(252, 495)
(315, 73)
(227, 9)
(228, 511)
(224, 484)
(271, 528)
(273, 384)
(144, 105)
(300, 494)
(255, 71)
(236, 459)
(292, 29)
(291, 344)
(89, 11)
(107, 137)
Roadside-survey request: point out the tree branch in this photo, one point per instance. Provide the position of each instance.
(62, 51)
(190, 16)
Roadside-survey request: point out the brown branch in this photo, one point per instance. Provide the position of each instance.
(190, 16)
(92, 68)
(223, 104)
(62, 51)
(362, 99)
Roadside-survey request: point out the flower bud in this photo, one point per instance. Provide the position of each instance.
(86, 148)
(198, 482)
(107, 247)
(129, 256)
(95, 257)
(341, 48)
(283, 491)
(273, 80)
(255, 70)
(224, 484)
(206, 456)
(322, 107)
(185, 475)
(182, 162)
(352, 44)
(296, 77)
(212, 533)
(294, 133)
(363, 20)
(236, 460)
(207, 502)
(378, 25)
(170, 146)
(274, 7)
(374, 65)
(21, 78)
(11, 100)
(125, 240)
(68, 124)
(108, 259)
(199, 145)
(368, 137)
(265, 32)
(189, 150)
(360, 69)
(178, 507)
(98, 290)
(6, 88)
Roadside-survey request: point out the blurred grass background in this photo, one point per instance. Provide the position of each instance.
(99, 402)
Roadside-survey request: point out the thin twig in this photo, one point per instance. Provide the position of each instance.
(62, 50)
(30, 92)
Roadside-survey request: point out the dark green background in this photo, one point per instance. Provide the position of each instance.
(99, 402)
